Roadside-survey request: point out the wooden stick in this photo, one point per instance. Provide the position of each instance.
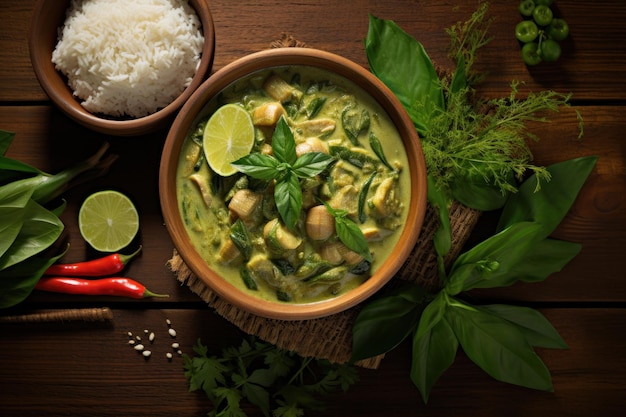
(76, 314)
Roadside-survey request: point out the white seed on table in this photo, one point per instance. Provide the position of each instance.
(172, 332)
(168, 322)
(147, 353)
(175, 345)
(131, 342)
(180, 352)
(145, 331)
(139, 347)
(138, 338)
(129, 334)
(151, 337)
(168, 355)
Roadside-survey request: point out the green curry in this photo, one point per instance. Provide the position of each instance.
(360, 196)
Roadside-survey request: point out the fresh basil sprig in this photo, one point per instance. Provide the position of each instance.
(498, 338)
(286, 168)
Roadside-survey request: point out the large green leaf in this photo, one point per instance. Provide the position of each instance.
(40, 229)
(403, 65)
(544, 259)
(536, 328)
(548, 205)
(18, 281)
(498, 347)
(386, 321)
(5, 141)
(433, 353)
(12, 215)
(492, 263)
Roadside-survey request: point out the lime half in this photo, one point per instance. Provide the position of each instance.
(228, 136)
(108, 221)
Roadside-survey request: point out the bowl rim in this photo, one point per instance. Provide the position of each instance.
(186, 118)
(47, 15)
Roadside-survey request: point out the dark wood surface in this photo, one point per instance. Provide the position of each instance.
(78, 369)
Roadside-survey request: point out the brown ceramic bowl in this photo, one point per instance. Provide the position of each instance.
(188, 116)
(48, 17)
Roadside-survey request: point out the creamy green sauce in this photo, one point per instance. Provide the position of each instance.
(321, 108)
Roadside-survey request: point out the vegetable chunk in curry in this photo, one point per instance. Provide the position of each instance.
(349, 213)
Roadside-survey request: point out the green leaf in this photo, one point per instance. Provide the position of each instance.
(402, 64)
(459, 78)
(288, 197)
(377, 147)
(385, 322)
(492, 262)
(6, 138)
(355, 123)
(311, 164)
(40, 229)
(432, 314)
(475, 191)
(259, 166)
(241, 239)
(538, 331)
(257, 395)
(19, 280)
(12, 211)
(498, 347)
(362, 198)
(351, 235)
(548, 205)
(433, 353)
(544, 259)
(283, 143)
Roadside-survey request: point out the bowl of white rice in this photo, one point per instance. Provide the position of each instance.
(121, 67)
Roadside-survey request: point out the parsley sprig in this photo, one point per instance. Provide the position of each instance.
(276, 381)
(286, 168)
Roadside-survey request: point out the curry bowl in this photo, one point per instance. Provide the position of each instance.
(324, 203)
(121, 78)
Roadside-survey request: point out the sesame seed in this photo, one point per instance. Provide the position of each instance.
(175, 345)
(172, 332)
(147, 353)
(151, 337)
(139, 347)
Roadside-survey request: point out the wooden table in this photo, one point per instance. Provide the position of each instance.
(79, 369)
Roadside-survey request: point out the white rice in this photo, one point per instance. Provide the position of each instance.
(128, 57)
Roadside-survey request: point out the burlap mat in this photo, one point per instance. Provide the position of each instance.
(331, 337)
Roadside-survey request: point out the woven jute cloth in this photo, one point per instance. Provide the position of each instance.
(331, 337)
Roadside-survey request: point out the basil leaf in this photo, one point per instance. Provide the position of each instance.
(403, 65)
(385, 322)
(283, 143)
(545, 258)
(312, 163)
(548, 205)
(314, 107)
(19, 280)
(498, 347)
(241, 239)
(433, 353)
(6, 138)
(288, 197)
(355, 123)
(362, 198)
(475, 191)
(12, 214)
(259, 166)
(40, 229)
(492, 262)
(432, 314)
(247, 279)
(377, 147)
(535, 327)
(351, 235)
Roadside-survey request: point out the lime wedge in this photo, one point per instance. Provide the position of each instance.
(228, 136)
(108, 221)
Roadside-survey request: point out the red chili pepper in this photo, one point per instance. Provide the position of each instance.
(118, 286)
(111, 264)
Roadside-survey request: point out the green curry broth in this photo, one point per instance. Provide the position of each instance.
(319, 96)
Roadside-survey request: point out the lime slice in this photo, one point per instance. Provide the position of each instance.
(228, 136)
(108, 221)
